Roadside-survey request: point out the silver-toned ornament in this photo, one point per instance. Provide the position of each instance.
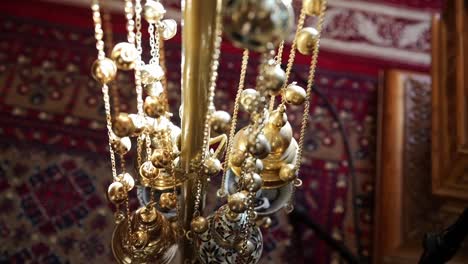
(168, 28)
(258, 25)
(124, 55)
(151, 73)
(153, 11)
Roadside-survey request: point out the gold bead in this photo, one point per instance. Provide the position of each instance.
(212, 166)
(167, 201)
(295, 94)
(139, 239)
(121, 145)
(116, 193)
(104, 70)
(245, 247)
(220, 122)
(153, 11)
(161, 158)
(147, 170)
(278, 118)
(124, 55)
(312, 7)
(231, 216)
(260, 148)
(274, 79)
(147, 214)
(253, 164)
(139, 124)
(127, 180)
(123, 125)
(264, 222)
(199, 225)
(253, 181)
(258, 25)
(154, 106)
(151, 73)
(249, 100)
(168, 28)
(237, 157)
(237, 202)
(288, 172)
(306, 40)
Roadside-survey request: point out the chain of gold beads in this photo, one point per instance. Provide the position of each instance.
(209, 165)
(104, 70)
(308, 42)
(245, 60)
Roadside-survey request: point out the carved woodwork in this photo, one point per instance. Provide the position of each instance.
(406, 207)
(450, 102)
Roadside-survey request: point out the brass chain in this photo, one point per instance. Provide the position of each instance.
(245, 60)
(305, 115)
(210, 107)
(129, 14)
(98, 34)
(292, 53)
(138, 84)
(153, 30)
(278, 60)
(162, 62)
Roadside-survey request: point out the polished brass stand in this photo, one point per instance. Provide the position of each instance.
(197, 48)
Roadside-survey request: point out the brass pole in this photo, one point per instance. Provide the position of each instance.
(197, 47)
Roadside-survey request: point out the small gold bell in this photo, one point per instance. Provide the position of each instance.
(199, 225)
(253, 181)
(212, 166)
(121, 145)
(127, 180)
(124, 55)
(148, 172)
(161, 158)
(237, 202)
(312, 7)
(153, 239)
(220, 122)
(168, 28)
(288, 172)
(167, 201)
(153, 11)
(306, 40)
(116, 193)
(274, 79)
(295, 94)
(154, 106)
(104, 70)
(151, 73)
(123, 125)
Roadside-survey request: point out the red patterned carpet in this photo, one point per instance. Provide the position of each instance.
(53, 164)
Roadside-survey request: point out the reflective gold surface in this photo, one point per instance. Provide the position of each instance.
(199, 17)
(153, 239)
(283, 149)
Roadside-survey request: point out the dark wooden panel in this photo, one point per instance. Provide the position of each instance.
(450, 103)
